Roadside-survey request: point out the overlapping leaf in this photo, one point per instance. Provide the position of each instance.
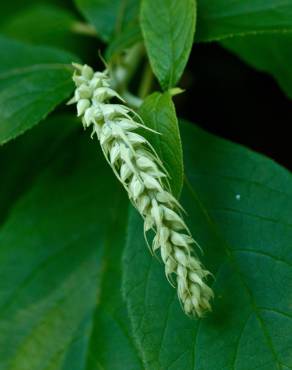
(46, 24)
(33, 81)
(109, 17)
(219, 19)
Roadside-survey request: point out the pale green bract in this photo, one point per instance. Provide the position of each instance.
(137, 166)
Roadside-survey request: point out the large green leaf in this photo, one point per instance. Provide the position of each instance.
(158, 113)
(109, 17)
(33, 81)
(219, 19)
(46, 24)
(168, 28)
(60, 246)
(8, 8)
(239, 207)
(267, 53)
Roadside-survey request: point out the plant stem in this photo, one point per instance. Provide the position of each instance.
(146, 83)
(132, 100)
(83, 29)
(128, 66)
(124, 71)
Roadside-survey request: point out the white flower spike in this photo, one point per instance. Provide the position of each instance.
(139, 169)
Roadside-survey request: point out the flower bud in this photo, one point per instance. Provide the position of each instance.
(145, 163)
(125, 172)
(114, 153)
(150, 182)
(82, 105)
(83, 92)
(142, 204)
(87, 72)
(135, 188)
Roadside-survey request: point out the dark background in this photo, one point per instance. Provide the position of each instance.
(230, 99)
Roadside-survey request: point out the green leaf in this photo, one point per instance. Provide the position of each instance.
(60, 247)
(33, 81)
(19, 163)
(109, 17)
(9, 8)
(168, 28)
(158, 113)
(220, 19)
(239, 207)
(45, 24)
(267, 53)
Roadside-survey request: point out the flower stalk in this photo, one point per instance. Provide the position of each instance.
(139, 169)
